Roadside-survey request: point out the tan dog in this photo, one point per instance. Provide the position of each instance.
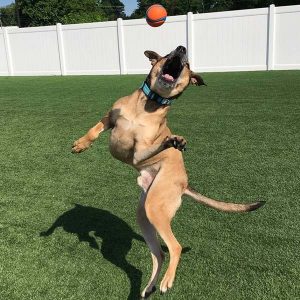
(140, 137)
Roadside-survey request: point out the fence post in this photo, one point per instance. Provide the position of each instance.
(61, 49)
(121, 43)
(8, 52)
(271, 38)
(190, 36)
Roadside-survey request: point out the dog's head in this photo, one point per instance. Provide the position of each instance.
(170, 75)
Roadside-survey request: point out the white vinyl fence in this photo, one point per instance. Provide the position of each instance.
(255, 39)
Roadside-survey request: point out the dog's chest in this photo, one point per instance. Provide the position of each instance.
(128, 129)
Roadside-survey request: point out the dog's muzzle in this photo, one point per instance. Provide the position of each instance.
(173, 67)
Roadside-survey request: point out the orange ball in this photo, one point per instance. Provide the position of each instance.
(156, 15)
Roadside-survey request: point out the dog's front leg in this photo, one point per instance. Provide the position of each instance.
(86, 141)
(143, 153)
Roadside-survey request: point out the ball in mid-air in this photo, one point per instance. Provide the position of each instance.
(156, 15)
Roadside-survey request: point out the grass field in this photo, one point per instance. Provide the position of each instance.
(243, 133)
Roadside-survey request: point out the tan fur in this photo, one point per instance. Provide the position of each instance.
(140, 137)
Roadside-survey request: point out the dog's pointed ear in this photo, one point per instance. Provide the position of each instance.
(153, 56)
(196, 79)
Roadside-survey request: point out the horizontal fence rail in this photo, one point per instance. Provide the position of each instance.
(244, 40)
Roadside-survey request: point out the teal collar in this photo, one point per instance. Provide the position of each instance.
(153, 96)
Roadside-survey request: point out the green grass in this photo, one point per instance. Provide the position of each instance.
(243, 144)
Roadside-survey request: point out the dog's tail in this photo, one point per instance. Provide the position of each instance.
(222, 206)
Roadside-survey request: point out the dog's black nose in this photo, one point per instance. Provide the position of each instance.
(181, 49)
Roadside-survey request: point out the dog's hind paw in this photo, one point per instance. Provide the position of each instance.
(147, 294)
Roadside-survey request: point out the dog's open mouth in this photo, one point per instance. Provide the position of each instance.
(171, 71)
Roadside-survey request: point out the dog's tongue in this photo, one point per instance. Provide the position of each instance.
(168, 77)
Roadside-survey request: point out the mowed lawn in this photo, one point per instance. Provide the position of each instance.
(67, 222)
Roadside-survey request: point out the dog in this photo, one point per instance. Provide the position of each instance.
(141, 138)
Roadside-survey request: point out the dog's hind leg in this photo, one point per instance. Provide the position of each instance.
(161, 205)
(150, 237)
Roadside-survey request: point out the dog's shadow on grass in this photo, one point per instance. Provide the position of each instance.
(89, 223)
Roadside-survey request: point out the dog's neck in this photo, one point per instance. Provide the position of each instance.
(152, 96)
(151, 106)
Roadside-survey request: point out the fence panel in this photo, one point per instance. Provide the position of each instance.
(91, 48)
(34, 51)
(287, 39)
(231, 41)
(3, 58)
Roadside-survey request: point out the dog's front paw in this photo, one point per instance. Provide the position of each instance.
(81, 145)
(176, 141)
